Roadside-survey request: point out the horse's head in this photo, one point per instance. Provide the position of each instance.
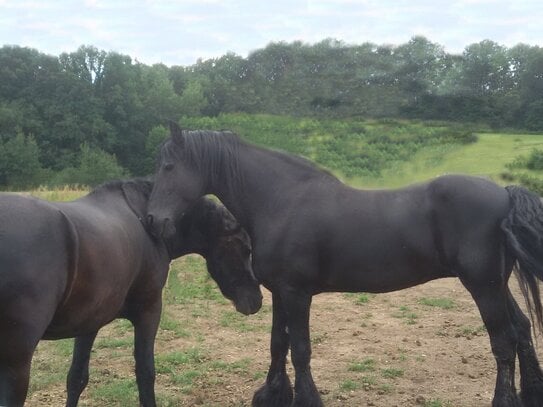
(229, 264)
(178, 185)
(209, 229)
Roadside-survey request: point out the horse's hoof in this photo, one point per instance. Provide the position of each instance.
(277, 394)
(308, 403)
(512, 401)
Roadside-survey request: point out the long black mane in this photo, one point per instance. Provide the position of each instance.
(216, 154)
(213, 153)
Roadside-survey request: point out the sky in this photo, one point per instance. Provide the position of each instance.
(179, 32)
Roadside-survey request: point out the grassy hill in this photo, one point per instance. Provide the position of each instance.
(385, 153)
(488, 157)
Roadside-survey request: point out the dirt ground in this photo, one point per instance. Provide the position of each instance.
(397, 349)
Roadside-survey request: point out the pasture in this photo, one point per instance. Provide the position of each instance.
(424, 346)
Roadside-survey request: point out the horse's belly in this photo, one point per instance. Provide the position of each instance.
(382, 273)
(85, 313)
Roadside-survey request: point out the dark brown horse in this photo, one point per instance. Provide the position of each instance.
(312, 234)
(68, 269)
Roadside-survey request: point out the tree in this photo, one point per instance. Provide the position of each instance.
(485, 69)
(20, 166)
(152, 143)
(94, 167)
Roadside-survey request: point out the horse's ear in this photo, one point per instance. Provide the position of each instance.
(176, 133)
(135, 198)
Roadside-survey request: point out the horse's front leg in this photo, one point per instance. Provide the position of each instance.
(277, 391)
(297, 307)
(78, 376)
(145, 329)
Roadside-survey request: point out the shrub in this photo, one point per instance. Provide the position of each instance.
(95, 166)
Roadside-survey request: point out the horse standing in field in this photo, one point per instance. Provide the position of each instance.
(68, 269)
(311, 234)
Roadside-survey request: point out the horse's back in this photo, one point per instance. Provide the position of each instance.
(391, 233)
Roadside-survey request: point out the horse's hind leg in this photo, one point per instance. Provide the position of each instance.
(277, 391)
(78, 376)
(492, 301)
(531, 376)
(14, 377)
(18, 340)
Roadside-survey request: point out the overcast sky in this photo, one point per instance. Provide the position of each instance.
(178, 32)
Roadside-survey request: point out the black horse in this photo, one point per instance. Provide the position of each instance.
(68, 269)
(312, 234)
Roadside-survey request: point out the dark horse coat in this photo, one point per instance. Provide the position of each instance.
(311, 234)
(67, 269)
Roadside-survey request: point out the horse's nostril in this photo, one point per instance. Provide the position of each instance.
(150, 220)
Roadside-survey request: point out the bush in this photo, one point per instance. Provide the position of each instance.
(20, 166)
(95, 167)
(535, 160)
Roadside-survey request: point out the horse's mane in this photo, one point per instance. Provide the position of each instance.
(215, 153)
(309, 168)
(144, 185)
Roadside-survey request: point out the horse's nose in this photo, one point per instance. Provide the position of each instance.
(150, 220)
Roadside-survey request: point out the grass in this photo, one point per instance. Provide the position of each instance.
(405, 313)
(443, 303)
(392, 372)
(487, 157)
(66, 193)
(349, 385)
(116, 392)
(367, 365)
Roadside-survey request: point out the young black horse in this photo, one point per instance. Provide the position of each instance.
(312, 234)
(67, 269)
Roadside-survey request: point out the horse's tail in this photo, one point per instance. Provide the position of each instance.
(523, 228)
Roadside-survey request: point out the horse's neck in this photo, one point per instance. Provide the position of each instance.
(263, 175)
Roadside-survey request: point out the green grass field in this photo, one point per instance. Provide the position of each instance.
(487, 157)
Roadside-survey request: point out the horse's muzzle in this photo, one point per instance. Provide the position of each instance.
(163, 228)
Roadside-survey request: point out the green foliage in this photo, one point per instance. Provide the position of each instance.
(19, 162)
(95, 166)
(352, 147)
(193, 101)
(113, 103)
(526, 170)
(152, 143)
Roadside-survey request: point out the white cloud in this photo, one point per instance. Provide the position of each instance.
(180, 32)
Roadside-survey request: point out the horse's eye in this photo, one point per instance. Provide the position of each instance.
(168, 166)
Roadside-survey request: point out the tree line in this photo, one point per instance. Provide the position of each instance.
(60, 114)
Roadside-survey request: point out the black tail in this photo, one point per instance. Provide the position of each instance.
(524, 230)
